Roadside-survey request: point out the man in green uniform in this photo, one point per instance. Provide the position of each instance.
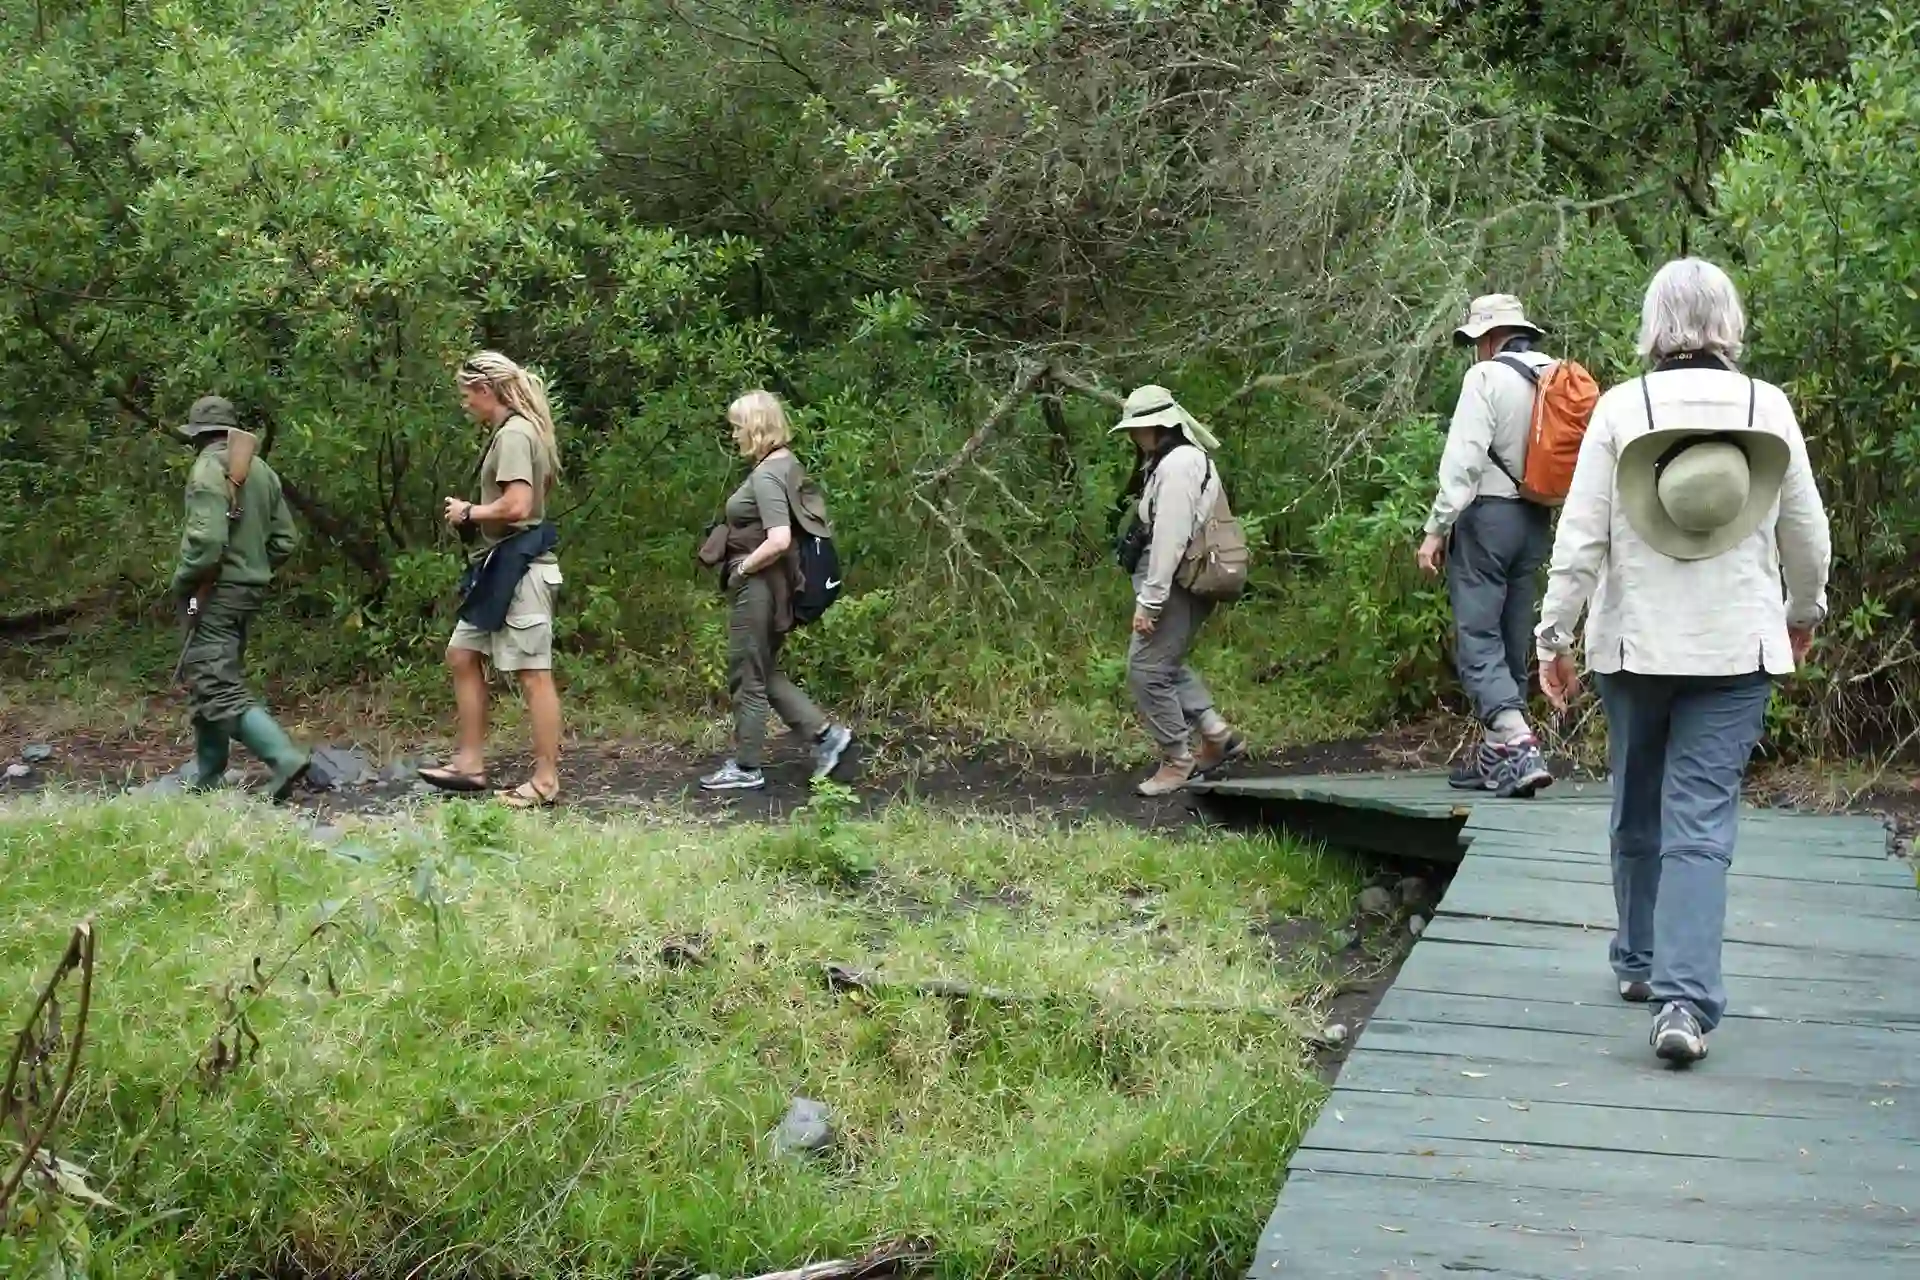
(238, 530)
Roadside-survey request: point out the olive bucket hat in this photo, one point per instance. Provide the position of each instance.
(1693, 494)
(209, 413)
(1152, 406)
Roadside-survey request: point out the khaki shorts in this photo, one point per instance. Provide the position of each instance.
(526, 642)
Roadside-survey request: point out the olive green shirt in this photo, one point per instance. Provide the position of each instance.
(246, 550)
(514, 454)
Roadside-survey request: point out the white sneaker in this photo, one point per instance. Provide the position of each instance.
(829, 748)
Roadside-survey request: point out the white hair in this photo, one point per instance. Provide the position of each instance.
(1691, 306)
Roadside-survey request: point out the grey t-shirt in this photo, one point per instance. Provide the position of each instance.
(762, 497)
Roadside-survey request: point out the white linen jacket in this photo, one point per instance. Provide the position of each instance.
(1652, 614)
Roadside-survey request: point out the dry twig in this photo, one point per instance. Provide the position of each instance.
(78, 955)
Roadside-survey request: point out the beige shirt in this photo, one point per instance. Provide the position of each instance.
(1654, 615)
(1181, 488)
(514, 453)
(1494, 411)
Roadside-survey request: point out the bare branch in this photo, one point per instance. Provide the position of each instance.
(1029, 376)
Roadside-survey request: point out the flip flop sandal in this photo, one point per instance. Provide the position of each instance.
(453, 780)
(527, 796)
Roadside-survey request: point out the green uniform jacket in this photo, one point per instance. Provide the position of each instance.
(249, 550)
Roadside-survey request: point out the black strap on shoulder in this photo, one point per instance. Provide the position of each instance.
(1525, 370)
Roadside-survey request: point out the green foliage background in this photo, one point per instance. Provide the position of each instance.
(885, 214)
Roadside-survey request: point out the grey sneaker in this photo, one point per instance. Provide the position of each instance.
(1517, 771)
(1677, 1037)
(731, 777)
(1471, 774)
(1635, 991)
(829, 747)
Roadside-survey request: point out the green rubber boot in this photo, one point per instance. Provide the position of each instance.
(266, 739)
(210, 744)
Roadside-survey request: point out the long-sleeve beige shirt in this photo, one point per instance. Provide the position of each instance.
(1494, 411)
(1652, 614)
(1182, 486)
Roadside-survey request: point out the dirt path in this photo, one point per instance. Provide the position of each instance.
(610, 776)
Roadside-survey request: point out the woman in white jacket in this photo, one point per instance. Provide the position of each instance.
(1692, 500)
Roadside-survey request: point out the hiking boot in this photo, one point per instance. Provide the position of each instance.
(1517, 771)
(829, 747)
(1173, 774)
(1217, 753)
(210, 750)
(1677, 1037)
(1636, 990)
(731, 777)
(262, 735)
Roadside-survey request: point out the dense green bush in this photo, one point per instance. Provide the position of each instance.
(318, 210)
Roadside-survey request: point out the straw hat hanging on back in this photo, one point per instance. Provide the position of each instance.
(1693, 494)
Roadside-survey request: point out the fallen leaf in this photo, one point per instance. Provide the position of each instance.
(1519, 1106)
(1399, 1231)
(1474, 1075)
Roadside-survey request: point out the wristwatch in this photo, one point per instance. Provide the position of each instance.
(466, 515)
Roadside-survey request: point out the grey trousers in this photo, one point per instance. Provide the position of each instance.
(1493, 562)
(754, 679)
(1169, 695)
(1679, 748)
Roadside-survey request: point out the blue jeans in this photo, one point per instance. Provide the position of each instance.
(1493, 562)
(1679, 748)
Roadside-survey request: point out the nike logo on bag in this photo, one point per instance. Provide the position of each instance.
(831, 583)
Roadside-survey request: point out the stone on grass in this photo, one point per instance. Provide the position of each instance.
(1413, 892)
(807, 1129)
(337, 767)
(401, 770)
(18, 771)
(1417, 925)
(1335, 1035)
(37, 753)
(1375, 901)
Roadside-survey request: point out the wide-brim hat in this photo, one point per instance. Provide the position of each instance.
(1693, 494)
(1152, 406)
(1494, 311)
(209, 413)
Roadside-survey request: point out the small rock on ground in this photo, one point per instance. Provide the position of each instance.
(1413, 892)
(37, 753)
(1417, 925)
(18, 771)
(336, 767)
(1375, 901)
(807, 1128)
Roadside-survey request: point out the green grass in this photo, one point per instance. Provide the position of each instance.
(483, 1066)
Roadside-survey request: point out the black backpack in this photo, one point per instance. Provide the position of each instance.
(819, 578)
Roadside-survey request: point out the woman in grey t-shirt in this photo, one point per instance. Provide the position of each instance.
(761, 577)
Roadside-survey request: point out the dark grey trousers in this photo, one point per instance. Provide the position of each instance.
(754, 678)
(1493, 566)
(1679, 747)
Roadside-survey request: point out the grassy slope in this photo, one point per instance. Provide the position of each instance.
(511, 1081)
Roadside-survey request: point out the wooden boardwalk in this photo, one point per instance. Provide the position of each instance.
(1502, 1115)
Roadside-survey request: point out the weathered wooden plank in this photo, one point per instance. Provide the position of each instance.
(1866, 889)
(1776, 1056)
(1877, 1143)
(1743, 1186)
(1748, 920)
(1328, 1245)
(1412, 1208)
(1761, 862)
(1637, 1085)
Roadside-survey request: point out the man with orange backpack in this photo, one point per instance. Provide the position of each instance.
(1508, 462)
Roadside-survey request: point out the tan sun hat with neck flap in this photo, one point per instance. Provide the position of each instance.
(1494, 311)
(1152, 406)
(1693, 494)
